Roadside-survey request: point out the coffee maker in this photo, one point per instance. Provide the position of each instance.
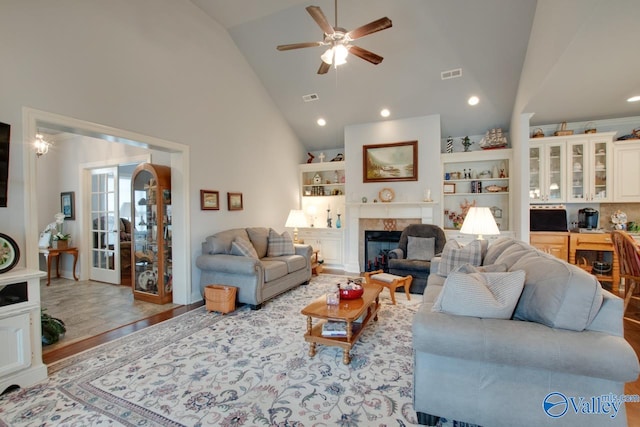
(588, 218)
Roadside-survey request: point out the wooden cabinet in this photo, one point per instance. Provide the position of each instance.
(480, 177)
(590, 164)
(328, 241)
(547, 162)
(626, 178)
(152, 277)
(553, 243)
(600, 244)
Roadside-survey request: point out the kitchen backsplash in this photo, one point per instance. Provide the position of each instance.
(606, 209)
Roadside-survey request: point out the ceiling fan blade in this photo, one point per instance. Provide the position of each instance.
(324, 68)
(321, 20)
(365, 54)
(370, 28)
(298, 45)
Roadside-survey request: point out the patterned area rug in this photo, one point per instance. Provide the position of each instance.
(242, 369)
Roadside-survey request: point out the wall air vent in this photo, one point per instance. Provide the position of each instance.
(310, 97)
(451, 74)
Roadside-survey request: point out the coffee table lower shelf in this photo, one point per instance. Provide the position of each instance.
(370, 305)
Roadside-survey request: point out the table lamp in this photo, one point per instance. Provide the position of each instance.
(479, 221)
(296, 219)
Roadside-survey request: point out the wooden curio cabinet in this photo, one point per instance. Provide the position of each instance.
(152, 279)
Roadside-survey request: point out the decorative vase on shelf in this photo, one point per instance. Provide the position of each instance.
(338, 222)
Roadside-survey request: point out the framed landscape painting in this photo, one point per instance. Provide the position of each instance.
(67, 204)
(209, 200)
(390, 162)
(234, 201)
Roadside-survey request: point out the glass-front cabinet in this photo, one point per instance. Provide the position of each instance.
(152, 277)
(589, 165)
(546, 172)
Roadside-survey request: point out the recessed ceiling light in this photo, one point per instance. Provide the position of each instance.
(473, 100)
(634, 99)
(321, 122)
(385, 112)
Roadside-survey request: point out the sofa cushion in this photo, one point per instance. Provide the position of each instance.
(293, 262)
(421, 248)
(243, 247)
(259, 237)
(485, 295)
(279, 244)
(415, 267)
(556, 293)
(220, 243)
(496, 248)
(274, 269)
(491, 268)
(454, 255)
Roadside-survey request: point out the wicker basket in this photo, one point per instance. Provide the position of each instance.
(220, 298)
(563, 130)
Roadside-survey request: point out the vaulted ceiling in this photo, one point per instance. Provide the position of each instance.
(564, 60)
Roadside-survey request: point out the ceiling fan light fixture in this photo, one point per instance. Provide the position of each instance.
(338, 53)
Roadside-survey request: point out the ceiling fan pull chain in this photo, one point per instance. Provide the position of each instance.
(336, 8)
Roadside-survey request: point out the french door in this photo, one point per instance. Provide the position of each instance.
(105, 229)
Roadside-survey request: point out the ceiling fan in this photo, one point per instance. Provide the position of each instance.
(339, 40)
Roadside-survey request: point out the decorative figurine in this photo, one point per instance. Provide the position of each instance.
(329, 216)
(449, 145)
(466, 143)
(321, 157)
(338, 158)
(311, 157)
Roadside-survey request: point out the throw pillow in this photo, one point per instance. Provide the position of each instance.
(484, 295)
(454, 255)
(243, 247)
(422, 248)
(280, 244)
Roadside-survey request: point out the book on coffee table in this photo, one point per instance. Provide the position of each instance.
(334, 328)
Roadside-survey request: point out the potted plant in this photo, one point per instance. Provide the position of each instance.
(60, 240)
(52, 328)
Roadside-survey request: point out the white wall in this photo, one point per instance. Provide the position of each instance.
(155, 67)
(425, 129)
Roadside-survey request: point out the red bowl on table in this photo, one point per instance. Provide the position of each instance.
(351, 293)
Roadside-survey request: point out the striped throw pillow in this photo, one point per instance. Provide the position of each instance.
(454, 255)
(279, 244)
(243, 247)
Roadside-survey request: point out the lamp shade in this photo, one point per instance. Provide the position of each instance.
(479, 221)
(296, 219)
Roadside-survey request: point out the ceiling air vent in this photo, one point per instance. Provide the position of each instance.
(310, 97)
(451, 74)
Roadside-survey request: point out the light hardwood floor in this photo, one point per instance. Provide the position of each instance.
(91, 308)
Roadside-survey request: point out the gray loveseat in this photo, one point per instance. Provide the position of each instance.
(258, 278)
(562, 350)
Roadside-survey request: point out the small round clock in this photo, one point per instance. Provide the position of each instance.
(386, 195)
(317, 179)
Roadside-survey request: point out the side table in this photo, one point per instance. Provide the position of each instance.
(50, 253)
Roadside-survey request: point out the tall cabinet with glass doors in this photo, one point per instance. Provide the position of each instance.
(152, 249)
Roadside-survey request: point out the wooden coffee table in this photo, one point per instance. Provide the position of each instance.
(347, 311)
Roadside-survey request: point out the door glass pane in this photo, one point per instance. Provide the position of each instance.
(534, 173)
(577, 171)
(600, 173)
(555, 173)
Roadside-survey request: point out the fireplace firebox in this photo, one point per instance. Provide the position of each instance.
(377, 244)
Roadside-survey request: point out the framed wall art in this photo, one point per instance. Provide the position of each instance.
(234, 201)
(68, 205)
(209, 200)
(390, 162)
(5, 132)
(449, 188)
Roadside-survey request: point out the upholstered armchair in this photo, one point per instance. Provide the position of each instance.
(418, 244)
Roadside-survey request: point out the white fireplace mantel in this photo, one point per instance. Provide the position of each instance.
(391, 210)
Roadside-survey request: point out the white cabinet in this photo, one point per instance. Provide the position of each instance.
(329, 241)
(589, 164)
(20, 331)
(546, 171)
(479, 178)
(626, 179)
